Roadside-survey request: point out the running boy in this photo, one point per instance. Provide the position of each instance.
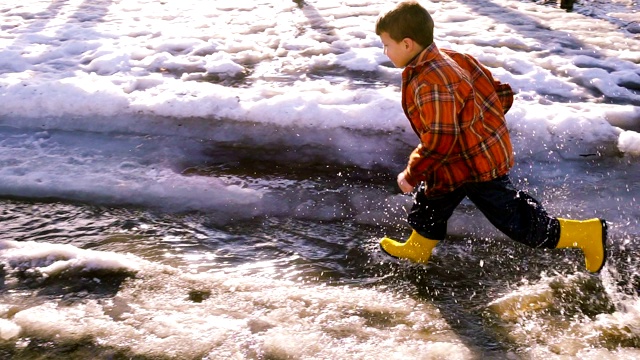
(457, 110)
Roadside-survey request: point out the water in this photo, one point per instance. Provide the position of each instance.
(84, 280)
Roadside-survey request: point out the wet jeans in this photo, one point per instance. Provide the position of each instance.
(516, 214)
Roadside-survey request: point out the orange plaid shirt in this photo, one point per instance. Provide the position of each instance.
(457, 109)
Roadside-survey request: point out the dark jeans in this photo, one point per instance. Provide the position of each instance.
(516, 214)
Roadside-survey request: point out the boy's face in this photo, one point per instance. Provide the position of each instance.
(400, 53)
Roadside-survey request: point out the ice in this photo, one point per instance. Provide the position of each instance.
(52, 259)
(308, 77)
(9, 329)
(629, 143)
(155, 311)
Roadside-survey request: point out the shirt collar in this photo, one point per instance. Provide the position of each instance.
(426, 55)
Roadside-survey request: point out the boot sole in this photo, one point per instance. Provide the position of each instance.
(604, 245)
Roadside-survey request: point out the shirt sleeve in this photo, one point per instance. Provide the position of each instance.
(505, 94)
(438, 130)
(503, 90)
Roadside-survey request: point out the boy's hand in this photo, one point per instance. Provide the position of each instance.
(403, 184)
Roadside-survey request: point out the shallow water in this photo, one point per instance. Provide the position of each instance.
(85, 280)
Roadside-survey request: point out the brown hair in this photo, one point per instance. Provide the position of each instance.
(407, 20)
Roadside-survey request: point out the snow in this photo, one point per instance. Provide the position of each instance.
(172, 78)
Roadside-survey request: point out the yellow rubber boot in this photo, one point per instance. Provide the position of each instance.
(588, 235)
(417, 248)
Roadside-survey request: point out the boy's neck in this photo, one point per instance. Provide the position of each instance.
(416, 52)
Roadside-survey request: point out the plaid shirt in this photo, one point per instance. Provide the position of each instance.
(457, 109)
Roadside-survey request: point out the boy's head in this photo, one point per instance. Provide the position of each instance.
(407, 20)
(405, 31)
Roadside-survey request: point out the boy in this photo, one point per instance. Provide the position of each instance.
(457, 110)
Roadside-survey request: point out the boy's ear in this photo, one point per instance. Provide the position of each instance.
(411, 46)
(408, 44)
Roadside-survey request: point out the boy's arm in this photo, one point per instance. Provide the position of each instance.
(503, 90)
(437, 128)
